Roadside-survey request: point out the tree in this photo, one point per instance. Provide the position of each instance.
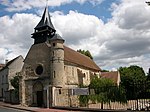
(15, 83)
(104, 70)
(86, 53)
(148, 75)
(132, 79)
(106, 91)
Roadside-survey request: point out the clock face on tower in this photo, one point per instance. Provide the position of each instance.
(39, 70)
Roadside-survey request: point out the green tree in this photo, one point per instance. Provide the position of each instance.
(148, 75)
(104, 70)
(132, 79)
(106, 91)
(86, 53)
(15, 83)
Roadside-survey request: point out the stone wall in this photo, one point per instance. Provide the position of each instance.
(63, 98)
(37, 55)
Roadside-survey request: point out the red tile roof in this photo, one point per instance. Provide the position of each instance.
(111, 75)
(79, 59)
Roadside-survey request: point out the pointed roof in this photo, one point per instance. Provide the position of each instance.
(46, 20)
(57, 37)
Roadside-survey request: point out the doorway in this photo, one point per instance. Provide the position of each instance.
(39, 98)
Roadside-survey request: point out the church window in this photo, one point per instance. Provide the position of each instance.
(39, 70)
(53, 53)
(59, 91)
(84, 75)
(54, 44)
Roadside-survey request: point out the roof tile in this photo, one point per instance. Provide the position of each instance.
(80, 59)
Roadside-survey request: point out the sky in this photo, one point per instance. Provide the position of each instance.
(116, 32)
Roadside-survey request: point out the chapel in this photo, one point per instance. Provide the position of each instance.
(52, 70)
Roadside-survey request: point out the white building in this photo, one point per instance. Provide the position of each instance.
(7, 73)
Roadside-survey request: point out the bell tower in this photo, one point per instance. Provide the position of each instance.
(44, 29)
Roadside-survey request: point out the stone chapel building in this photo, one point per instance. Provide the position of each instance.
(51, 69)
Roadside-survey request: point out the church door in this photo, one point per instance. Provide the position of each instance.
(39, 98)
(38, 93)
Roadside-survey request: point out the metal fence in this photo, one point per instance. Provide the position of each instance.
(138, 98)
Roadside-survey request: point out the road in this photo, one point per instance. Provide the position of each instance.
(5, 109)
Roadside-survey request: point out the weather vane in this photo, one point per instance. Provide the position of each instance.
(46, 3)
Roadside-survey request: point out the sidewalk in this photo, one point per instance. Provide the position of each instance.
(30, 109)
(57, 109)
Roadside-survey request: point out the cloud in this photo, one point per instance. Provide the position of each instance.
(16, 33)
(19, 5)
(76, 27)
(132, 14)
(129, 32)
(3, 53)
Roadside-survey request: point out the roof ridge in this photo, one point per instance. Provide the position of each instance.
(80, 59)
(80, 53)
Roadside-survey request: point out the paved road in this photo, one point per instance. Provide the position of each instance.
(5, 109)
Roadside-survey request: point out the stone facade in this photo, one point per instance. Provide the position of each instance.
(51, 69)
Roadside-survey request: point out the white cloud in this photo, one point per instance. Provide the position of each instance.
(15, 34)
(76, 27)
(3, 53)
(19, 5)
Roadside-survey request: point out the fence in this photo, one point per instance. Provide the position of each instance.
(138, 98)
(115, 98)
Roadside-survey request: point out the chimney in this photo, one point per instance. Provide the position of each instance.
(6, 61)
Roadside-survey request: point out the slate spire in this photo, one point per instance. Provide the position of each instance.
(44, 29)
(46, 20)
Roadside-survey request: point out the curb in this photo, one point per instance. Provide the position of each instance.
(18, 108)
(88, 109)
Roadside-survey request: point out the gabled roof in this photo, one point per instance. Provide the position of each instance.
(79, 59)
(46, 20)
(10, 62)
(114, 75)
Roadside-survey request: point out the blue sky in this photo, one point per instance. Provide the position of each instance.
(102, 10)
(116, 32)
